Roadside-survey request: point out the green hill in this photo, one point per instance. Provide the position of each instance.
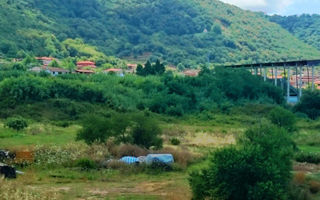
(304, 27)
(178, 31)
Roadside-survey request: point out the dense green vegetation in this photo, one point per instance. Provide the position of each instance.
(136, 129)
(309, 104)
(258, 169)
(305, 27)
(167, 94)
(187, 32)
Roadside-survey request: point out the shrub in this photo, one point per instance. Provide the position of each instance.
(259, 168)
(86, 164)
(136, 129)
(298, 192)
(307, 157)
(95, 129)
(314, 186)
(145, 133)
(175, 141)
(17, 123)
(282, 118)
(52, 156)
(309, 104)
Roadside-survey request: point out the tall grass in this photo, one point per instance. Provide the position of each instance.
(13, 190)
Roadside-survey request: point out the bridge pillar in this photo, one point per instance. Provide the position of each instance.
(300, 82)
(276, 77)
(264, 73)
(288, 83)
(312, 77)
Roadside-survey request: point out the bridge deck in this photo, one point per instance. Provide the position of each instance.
(285, 63)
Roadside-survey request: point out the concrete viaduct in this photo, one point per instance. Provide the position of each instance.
(290, 68)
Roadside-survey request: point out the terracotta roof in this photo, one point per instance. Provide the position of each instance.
(84, 71)
(132, 65)
(113, 70)
(85, 63)
(192, 73)
(44, 58)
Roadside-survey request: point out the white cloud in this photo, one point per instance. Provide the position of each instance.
(268, 6)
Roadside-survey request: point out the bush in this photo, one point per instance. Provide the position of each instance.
(307, 157)
(314, 187)
(298, 192)
(52, 156)
(145, 133)
(175, 141)
(309, 104)
(259, 168)
(282, 118)
(17, 123)
(86, 164)
(95, 129)
(136, 129)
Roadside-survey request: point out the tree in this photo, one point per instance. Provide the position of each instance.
(309, 104)
(148, 69)
(17, 123)
(68, 64)
(135, 129)
(282, 118)
(140, 70)
(146, 132)
(159, 67)
(95, 129)
(54, 63)
(258, 168)
(19, 67)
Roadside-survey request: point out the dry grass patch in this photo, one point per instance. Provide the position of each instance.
(13, 190)
(207, 139)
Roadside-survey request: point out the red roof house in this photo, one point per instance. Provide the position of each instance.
(191, 73)
(84, 71)
(45, 60)
(82, 64)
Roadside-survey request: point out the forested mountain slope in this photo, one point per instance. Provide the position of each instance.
(305, 27)
(178, 31)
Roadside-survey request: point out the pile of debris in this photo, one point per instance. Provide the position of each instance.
(6, 170)
(150, 159)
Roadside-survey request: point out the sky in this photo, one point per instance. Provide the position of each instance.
(280, 7)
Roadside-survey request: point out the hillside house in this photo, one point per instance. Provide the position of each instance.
(86, 64)
(85, 67)
(118, 72)
(191, 72)
(84, 71)
(45, 60)
(132, 68)
(54, 71)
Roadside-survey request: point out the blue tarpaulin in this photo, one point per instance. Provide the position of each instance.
(129, 159)
(159, 158)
